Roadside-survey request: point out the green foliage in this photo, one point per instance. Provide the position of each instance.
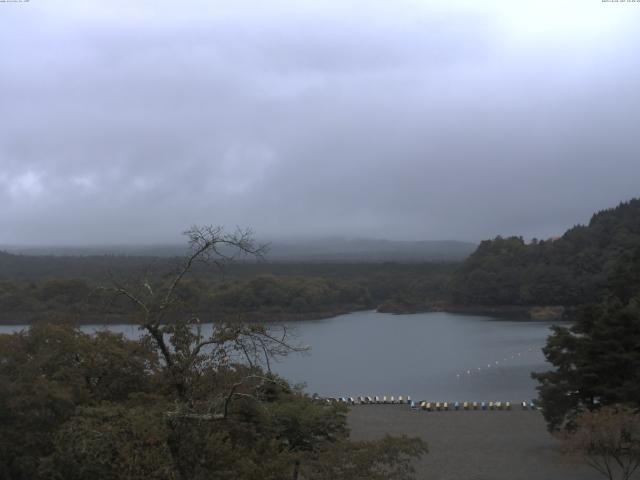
(75, 406)
(597, 363)
(572, 270)
(49, 371)
(111, 441)
(284, 294)
(290, 292)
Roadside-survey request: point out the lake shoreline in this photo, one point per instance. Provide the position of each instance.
(511, 312)
(28, 318)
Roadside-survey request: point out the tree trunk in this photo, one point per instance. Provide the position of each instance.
(296, 469)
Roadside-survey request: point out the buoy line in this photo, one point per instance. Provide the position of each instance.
(494, 364)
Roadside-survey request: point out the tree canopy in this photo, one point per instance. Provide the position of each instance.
(574, 269)
(596, 360)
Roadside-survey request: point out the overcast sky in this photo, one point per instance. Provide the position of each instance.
(128, 121)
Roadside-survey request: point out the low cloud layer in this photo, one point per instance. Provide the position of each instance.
(126, 122)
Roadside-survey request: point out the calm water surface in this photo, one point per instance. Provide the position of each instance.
(434, 356)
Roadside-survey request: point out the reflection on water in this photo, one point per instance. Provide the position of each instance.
(436, 356)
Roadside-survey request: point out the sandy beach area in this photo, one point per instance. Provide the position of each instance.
(474, 445)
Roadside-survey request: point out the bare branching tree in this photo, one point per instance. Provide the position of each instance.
(608, 440)
(187, 348)
(207, 365)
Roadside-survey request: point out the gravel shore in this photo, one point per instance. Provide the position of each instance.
(474, 445)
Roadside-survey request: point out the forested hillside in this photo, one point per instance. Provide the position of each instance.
(578, 268)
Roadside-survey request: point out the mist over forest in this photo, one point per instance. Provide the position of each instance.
(335, 249)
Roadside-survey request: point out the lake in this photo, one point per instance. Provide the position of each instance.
(435, 356)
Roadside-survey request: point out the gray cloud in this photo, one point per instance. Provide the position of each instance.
(128, 124)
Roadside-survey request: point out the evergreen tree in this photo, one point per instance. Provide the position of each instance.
(597, 363)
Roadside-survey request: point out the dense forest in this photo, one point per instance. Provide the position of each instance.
(263, 296)
(596, 359)
(578, 268)
(50, 287)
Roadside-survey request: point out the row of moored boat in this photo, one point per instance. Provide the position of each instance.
(365, 400)
(444, 406)
(429, 406)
